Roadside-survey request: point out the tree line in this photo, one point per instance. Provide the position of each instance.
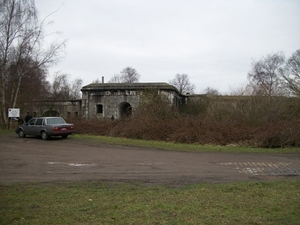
(272, 75)
(25, 59)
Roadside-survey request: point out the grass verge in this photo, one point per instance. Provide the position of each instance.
(103, 203)
(178, 146)
(170, 145)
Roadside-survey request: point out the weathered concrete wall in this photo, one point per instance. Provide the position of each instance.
(106, 99)
(64, 108)
(111, 101)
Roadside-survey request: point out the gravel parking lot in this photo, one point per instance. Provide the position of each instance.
(57, 160)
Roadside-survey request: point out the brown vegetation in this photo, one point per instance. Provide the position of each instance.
(249, 121)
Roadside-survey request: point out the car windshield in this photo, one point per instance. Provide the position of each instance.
(55, 121)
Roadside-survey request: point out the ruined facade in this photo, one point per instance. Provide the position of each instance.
(104, 100)
(64, 108)
(115, 100)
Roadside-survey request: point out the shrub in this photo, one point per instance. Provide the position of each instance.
(255, 122)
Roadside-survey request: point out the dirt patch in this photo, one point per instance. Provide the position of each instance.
(33, 160)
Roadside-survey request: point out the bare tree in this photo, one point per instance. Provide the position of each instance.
(115, 79)
(75, 88)
(21, 41)
(62, 88)
(34, 86)
(97, 81)
(182, 83)
(211, 91)
(128, 75)
(265, 75)
(244, 90)
(292, 73)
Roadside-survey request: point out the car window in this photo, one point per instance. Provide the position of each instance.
(39, 122)
(55, 121)
(31, 122)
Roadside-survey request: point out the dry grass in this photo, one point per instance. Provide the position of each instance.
(216, 125)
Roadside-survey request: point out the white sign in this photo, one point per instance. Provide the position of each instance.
(13, 112)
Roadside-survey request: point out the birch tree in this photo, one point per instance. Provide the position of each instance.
(21, 44)
(291, 74)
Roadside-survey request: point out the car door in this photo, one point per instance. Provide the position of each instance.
(29, 127)
(38, 126)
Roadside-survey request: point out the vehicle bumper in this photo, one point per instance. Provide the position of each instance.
(62, 132)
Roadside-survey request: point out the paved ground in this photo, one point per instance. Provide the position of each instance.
(34, 160)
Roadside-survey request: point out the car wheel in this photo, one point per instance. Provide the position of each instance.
(21, 134)
(64, 136)
(44, 135)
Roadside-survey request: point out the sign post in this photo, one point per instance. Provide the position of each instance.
(13, 114)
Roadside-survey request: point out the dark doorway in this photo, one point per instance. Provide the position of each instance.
(125, 109)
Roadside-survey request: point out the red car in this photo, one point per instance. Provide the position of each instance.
(45, 127)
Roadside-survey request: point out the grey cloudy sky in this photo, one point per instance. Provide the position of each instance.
(214, 42)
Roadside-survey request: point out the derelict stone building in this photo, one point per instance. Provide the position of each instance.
(104, 100)
(64, 108)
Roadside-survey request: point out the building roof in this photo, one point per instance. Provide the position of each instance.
(127, 86)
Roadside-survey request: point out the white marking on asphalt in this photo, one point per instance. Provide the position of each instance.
(71, 164)
(265, 168)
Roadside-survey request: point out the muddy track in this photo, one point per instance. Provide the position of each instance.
(57, 160)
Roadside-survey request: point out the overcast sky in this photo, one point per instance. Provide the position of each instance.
(214, 42)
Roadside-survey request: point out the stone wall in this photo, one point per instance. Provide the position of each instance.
(63, 108)
(104, 100)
